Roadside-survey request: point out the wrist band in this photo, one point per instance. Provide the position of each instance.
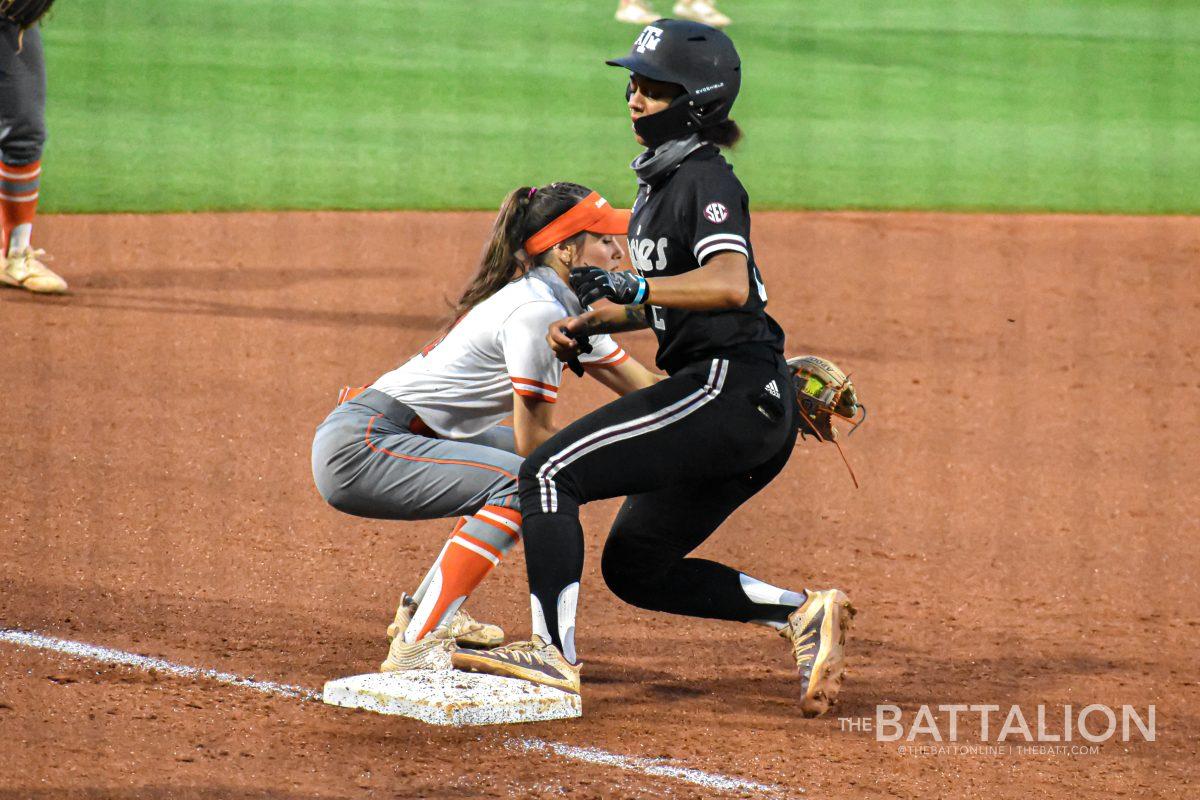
(642, 293)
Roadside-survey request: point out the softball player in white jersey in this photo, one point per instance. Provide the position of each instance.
(424, 441)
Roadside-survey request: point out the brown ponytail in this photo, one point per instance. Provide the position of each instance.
(523, 213)
(499, 264)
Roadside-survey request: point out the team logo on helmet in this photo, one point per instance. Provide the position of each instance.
(716, 213)
(649, 39)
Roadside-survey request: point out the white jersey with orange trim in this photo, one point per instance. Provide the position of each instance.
(462, 384)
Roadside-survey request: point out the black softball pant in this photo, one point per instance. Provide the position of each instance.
(687, 452)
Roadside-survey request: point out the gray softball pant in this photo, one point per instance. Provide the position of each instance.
(366, 461)
(22, 96)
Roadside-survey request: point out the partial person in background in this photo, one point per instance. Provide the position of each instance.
(640, 12)
(22, 137)
(425, 440)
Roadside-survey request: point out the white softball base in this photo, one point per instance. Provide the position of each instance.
(451, 697)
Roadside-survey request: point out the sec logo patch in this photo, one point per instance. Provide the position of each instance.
(715, 212)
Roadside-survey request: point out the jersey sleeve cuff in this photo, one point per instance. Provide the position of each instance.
(719, 243)
(614, 358)
(535, 390)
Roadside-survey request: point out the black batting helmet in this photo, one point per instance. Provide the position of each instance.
(701, 59)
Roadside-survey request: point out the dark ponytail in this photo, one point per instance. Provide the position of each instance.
(724, 134)
(523, 213)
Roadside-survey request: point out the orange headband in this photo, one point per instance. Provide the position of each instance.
(592, 214)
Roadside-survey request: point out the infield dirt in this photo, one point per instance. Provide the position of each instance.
(1026, 531)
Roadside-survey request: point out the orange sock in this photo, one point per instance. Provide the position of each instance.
(476, 546)
(18, 203)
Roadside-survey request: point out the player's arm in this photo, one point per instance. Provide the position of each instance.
(723, 282)
(533, 422)
(625, 377)
(611, 366)
(534, 372)
(564, 333)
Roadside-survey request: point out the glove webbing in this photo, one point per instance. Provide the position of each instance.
(820, 438)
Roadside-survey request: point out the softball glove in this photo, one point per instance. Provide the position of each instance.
(824, 392)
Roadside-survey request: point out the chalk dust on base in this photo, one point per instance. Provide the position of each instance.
(451, 697)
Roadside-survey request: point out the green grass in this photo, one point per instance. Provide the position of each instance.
(1064, 105)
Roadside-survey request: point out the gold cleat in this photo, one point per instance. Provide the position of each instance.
(817, 631)
(432, 652)
(536, 661)
(25, 271)
(464, 628)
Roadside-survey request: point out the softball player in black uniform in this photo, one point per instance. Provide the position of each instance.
(692, 448)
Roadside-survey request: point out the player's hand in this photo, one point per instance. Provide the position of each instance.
(623, 288)
(568, 338)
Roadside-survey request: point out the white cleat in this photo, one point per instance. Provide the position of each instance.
(465, 629)
(432, 652)
(701, 11)
(25, 271)
(636, 12)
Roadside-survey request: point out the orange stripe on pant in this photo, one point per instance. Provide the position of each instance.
(453, 461)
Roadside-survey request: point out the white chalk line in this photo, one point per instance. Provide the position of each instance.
(646, 766)
(91, 652)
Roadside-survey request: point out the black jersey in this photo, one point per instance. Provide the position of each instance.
(682, 220)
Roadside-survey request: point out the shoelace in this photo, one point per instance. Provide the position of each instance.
(463, 621)
(802, 644)
(523, 651)
(31, 263)
(35, 255)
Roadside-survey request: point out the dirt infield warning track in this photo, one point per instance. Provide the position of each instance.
(1026, 532)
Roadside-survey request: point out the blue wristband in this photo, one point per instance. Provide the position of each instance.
(643, 290)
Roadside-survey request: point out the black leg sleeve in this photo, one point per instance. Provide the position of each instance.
(554, 564)
(644, 559)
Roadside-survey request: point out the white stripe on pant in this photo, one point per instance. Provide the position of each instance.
(627, 430)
